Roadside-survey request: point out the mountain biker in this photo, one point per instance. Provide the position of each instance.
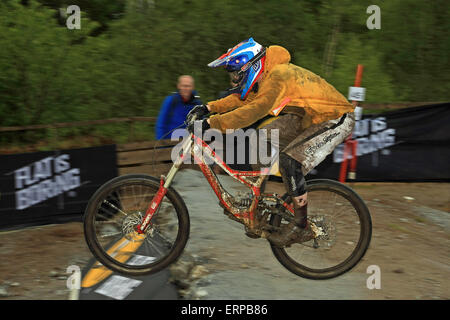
(313, 118)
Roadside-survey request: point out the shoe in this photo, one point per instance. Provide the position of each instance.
(291, 233)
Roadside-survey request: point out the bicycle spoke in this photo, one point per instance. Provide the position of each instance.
(338, 213)
(103, 217)
(112, 195)
(114, 207)
(136, 204)
(110, 234)
(159, 251)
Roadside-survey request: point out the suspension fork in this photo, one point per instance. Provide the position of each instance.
(164, 184)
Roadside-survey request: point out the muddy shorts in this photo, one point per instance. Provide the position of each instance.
(309, 146)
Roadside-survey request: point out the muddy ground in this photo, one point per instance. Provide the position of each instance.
(410, 244)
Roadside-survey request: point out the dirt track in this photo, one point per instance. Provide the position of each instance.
(410, 244)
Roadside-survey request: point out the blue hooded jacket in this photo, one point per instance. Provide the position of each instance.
(173, 113)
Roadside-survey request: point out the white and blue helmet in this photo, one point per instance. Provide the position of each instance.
(246, 60)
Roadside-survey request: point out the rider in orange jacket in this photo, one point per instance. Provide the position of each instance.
(313, 118)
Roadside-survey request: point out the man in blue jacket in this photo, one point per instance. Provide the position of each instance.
(176, 106)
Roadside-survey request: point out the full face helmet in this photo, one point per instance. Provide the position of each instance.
(246, 63)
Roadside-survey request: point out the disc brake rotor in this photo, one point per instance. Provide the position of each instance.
(129, 226)
(325, 230)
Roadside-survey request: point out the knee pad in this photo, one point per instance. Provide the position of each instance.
(291, 171)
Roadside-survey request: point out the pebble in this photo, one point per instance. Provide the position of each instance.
(198, 272)
(184, 293)
(62, 278)
(53, 273)
(201, 293)
(404, 220)
(181, 269)
(399, 271)
(408, 198)
(182, 284)
(60, 292)
(15, 284)
(244, 266)
(3, 292)
(203, 282)
(349, 242)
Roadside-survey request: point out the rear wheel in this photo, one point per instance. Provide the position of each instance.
(345, 229)
(111, 218)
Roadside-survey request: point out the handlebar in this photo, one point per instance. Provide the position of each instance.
(191, 119)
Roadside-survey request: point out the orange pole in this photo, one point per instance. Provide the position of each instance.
(343, 170)
(359, 73)
(354, 160)
(349, 142)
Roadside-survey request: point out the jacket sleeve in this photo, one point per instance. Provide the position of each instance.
(269, 95)
(228, 103)
(163, 118)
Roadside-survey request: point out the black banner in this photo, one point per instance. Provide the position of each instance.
(410, 144)
(51, 187)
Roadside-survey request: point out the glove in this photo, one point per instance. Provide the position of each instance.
(199, 110)
(203, 125)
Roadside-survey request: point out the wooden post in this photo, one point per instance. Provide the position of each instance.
(131, 132)
(55, 139)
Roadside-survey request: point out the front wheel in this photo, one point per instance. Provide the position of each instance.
(345, 229)
(111, 218)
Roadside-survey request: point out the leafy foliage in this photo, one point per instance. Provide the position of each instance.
(128, 54)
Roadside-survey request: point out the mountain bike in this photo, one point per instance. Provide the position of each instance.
(137, 224)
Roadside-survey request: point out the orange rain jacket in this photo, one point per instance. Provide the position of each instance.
(282, 86)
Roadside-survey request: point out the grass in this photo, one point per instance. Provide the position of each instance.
(398, 228)
(419, 219)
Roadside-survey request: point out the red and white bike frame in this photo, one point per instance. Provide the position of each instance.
(200, 150)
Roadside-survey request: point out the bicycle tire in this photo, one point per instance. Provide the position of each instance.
(99, 252)
(357, 254)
